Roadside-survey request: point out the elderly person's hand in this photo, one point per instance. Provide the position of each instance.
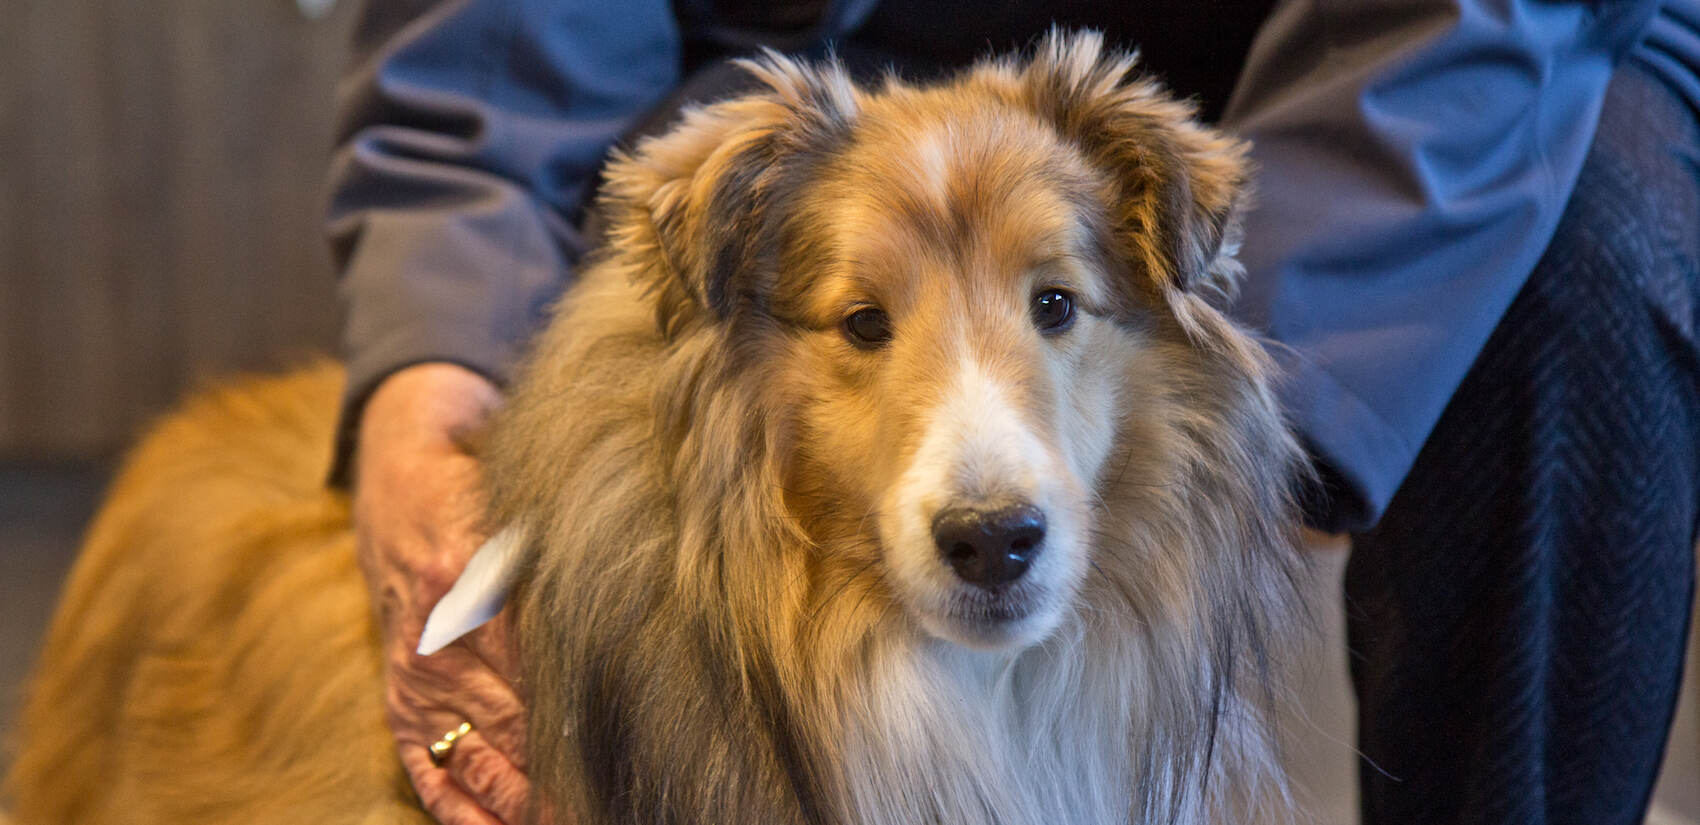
(416, 509)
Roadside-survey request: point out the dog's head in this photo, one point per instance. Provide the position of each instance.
(964, 294)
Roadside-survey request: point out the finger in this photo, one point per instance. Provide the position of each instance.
(494, 643)
(440, 796)
(455, 686)
(488, 777)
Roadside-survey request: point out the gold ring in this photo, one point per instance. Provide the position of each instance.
(441, 748)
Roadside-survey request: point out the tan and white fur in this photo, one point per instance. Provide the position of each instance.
(734, 603)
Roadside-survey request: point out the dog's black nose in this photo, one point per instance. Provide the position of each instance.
(989, 547)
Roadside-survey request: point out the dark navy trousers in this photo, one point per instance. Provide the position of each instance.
(1518, 618)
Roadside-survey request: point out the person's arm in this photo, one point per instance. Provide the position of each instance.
(469, 131)
(1413, 161)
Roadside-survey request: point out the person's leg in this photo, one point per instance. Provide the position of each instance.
(1517, 620)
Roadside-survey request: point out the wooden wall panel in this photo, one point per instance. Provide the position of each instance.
(160, 197)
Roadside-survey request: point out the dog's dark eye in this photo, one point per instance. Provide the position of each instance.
(1053, 310)
(869, 327)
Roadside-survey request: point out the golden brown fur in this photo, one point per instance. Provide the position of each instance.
(728, 615)
(212, 659)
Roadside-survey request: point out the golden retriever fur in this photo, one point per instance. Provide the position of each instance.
(731, 604)
(213, 657)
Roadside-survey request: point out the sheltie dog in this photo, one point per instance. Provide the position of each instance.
(892, 462)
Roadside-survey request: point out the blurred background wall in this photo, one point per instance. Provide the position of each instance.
(160, 174)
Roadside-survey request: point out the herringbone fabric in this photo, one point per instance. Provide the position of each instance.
(1517, 620)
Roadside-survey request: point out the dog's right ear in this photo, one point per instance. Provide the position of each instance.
(704, 200)
(1180, 185)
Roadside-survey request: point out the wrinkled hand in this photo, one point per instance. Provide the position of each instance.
(416, 510)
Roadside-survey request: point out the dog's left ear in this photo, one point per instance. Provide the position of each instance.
(707, 198)
(1181, 185)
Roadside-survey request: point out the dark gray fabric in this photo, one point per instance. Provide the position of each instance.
(1196, 48)
(1517, 620)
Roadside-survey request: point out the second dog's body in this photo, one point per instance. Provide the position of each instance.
(889, 465)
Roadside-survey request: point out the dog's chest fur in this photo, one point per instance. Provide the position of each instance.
(951, 735)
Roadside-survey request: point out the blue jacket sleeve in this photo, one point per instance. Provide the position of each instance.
(468, 132)
(1414, 158)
